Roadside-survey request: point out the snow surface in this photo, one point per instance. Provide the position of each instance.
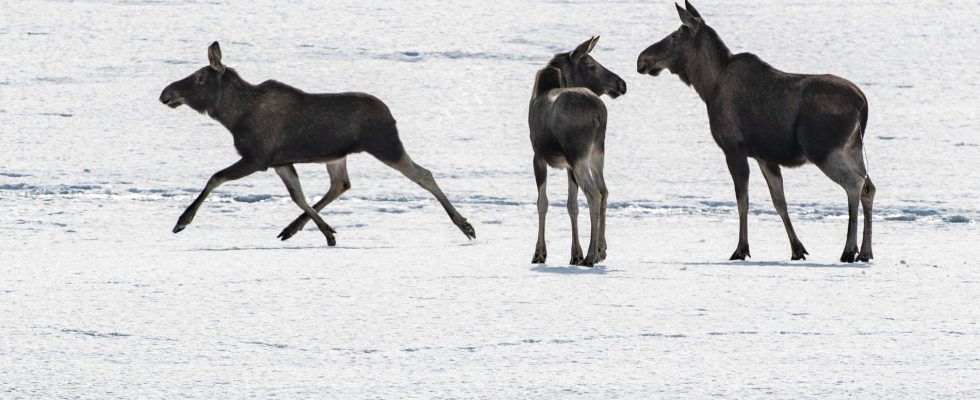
(99, 300)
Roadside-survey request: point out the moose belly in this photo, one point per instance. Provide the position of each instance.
(782, 150)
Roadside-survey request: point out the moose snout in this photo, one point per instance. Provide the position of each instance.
(170, 98)
(622, 87)
(641, 65)
(619, 90)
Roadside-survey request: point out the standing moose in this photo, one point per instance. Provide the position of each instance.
(568, 130)
(777, 118)
(276, 125)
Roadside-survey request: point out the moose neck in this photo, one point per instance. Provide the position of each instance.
(704, 69)
(562, 63)
(547, 79)
(233, 101)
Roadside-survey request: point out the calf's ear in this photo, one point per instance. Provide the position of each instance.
(583, 49)
(214, 57)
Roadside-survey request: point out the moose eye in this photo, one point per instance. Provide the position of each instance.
(200, 79)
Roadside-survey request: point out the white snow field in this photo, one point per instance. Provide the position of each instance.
(99, 300)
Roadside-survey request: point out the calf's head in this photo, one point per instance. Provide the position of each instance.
(674, 51)
(579, 69)
(202, 89)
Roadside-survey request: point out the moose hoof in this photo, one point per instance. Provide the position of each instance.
(848, 256)
(740, 254)
(576, 259)
(799, 253)
(179, 227)
(865, 256)
(539, 257)
(289, 231)
(602, 254)
(331, 241)
(467, 229)
(588, 262)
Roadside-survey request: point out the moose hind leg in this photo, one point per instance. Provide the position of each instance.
(774, 178)
(339, 183)
(867, 200)
(423, 178)
(573, 214)
(541, 178)
(584, 178)
(598, 162)
(838, 168)
(291, 180)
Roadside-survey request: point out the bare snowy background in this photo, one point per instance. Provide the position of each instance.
(99, 300)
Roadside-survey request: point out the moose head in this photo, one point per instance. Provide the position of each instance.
(677, 50)
(202, 89)
(579, 69)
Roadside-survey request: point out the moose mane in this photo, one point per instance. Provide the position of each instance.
(711, 50)
(548, 78)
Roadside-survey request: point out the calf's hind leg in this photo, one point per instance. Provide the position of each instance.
(541, 178)
(583, 176)
(339, 183)
(573, 215)
(291, 179)
(598, 162)
(423, 178)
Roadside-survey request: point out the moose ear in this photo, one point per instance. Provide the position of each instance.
(689, 20)
(690, 8)
(583, 49)
(592, 44)
(214, 56)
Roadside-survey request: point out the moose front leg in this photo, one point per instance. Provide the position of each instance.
(238, 170)
(738, 165)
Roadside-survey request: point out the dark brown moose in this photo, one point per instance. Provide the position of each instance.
(778, 118)
(567, 120)
(276, 125)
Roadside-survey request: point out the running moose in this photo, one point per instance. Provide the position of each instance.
(276, 125)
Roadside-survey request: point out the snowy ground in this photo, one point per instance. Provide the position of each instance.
(99, 300)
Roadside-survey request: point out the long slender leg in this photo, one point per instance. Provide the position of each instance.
(423, 178)
(598, 163)
(839, 169)
(541, 178)
(856, 152)
(867, 200)
(238, 170)
(339, 183)
(738, 166)
(774, 178)
(583, 176)
(291, 179)
(573, 214)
